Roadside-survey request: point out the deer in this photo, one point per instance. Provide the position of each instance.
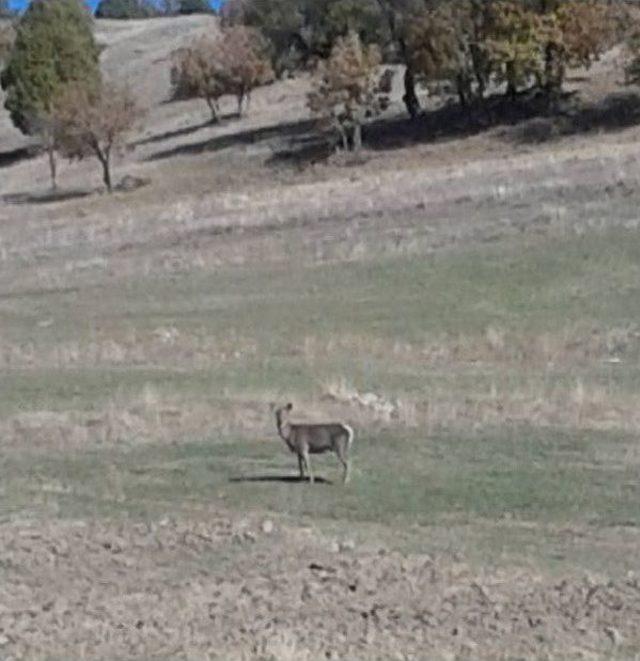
(308, 439)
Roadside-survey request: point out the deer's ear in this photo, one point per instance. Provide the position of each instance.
(289, 406)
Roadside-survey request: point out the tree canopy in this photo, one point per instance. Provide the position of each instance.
(124, 9)
(53, 46)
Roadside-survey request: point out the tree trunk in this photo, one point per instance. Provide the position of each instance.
(463, 90)
(479, 71)
(512, 89)
(213, 107)
(344, 139)
(410, 97)
(356, 138)
(240, 97)
(53, 166)
(106, 171)
(554, 73)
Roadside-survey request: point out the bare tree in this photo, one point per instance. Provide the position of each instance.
(95, 123)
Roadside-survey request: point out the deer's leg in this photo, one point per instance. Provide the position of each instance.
(301, 465)
(307, 461)
(344, 460)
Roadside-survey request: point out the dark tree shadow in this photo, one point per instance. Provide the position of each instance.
(287, 479)
(45, 198)
(455, 121)
(613, 113)
(286, 131)
(528, 118)
(8, 158)
(187, 130)
(304, 151)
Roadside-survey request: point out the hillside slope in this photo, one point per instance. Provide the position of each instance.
(136, 53)
(139, 52)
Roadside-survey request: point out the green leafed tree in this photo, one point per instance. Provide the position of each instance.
(5, 9)
(194, 7)
(53, 47)
(7, 36)
(124, 9)
(299, 30)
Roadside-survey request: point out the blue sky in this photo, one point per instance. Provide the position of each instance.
(21, 4)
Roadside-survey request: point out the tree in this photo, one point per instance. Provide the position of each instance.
(95, 122)
(235, 62)
(299, 30)
(348, 88)
(515, 43)
(244, 63)
(193, 7)
(123, 9)
(399, 15)
(177, 7)
(7, 35)
(5, 9)
(53, 46)
(194, 74)
(440, 48)
(282, 22)
(586, 29)
(332, 19)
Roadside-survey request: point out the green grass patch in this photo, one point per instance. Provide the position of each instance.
(526, 474)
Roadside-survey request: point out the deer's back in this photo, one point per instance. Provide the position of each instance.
(319, 437)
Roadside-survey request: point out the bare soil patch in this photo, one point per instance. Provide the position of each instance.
(217, 587)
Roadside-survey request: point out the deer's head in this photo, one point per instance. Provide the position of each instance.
(282, 415)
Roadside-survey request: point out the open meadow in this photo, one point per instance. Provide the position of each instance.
(468, 299)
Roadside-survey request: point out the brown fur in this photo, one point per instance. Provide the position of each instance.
(308, 439)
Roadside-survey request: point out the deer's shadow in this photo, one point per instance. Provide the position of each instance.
(286, 479)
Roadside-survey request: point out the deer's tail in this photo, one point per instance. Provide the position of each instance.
(350, 434)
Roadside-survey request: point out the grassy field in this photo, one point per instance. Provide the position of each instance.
(525, 482)
(504, 408)
(468, 300)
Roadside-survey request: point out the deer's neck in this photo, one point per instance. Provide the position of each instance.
(285, 431)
